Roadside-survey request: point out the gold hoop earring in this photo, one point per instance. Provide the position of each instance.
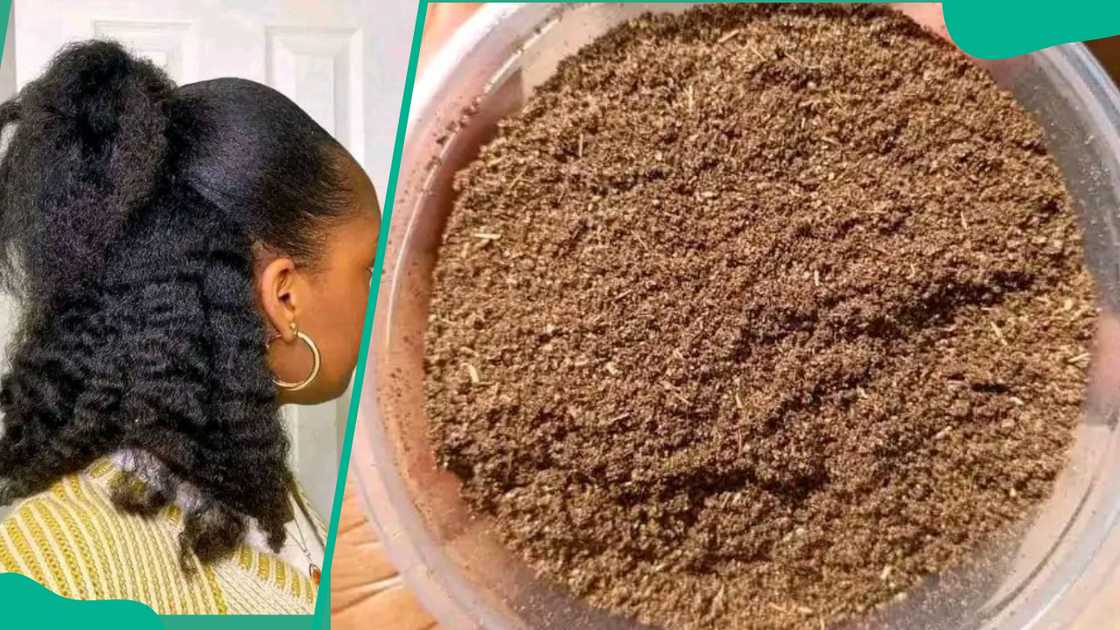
(316, 364)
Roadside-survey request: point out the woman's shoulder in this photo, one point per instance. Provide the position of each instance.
(73, 540)
(65, 538)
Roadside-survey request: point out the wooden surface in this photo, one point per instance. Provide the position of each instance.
(366, 593)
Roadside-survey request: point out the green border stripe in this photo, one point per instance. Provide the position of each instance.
(1021, 29)
(322, 610)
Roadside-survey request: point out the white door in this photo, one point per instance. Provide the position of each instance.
(343, 61)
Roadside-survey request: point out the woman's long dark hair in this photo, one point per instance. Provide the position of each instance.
(129, 214)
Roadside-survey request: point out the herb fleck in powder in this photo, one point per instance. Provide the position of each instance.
(755, 316)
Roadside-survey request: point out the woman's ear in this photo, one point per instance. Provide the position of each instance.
(278, 295)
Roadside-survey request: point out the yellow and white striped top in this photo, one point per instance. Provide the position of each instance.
(72, 540)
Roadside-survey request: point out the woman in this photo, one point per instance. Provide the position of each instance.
(187, 259)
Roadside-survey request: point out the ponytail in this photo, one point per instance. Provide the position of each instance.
(129, 209)
(88, 150)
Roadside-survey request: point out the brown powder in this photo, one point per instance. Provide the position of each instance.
(756, 316)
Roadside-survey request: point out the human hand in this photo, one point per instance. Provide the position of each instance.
(927, 14)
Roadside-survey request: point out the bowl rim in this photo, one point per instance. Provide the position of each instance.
(385, 498)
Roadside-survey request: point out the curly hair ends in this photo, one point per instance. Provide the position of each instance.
(129, 210)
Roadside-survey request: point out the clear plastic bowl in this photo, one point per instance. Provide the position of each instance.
(1058, 574)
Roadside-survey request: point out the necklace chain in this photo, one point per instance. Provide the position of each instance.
(312, 569)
